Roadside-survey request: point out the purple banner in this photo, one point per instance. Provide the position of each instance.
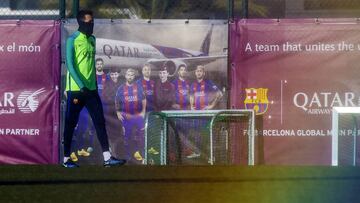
(29, 91)
(292, 72)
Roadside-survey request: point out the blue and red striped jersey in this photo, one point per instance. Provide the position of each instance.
(128, 99)
(101, 80)
(148, 87)
(203, 93)
(182, 89)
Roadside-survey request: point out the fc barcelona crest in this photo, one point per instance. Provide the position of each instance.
(256, 98)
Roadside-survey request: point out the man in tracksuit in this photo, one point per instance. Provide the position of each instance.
(81, 88)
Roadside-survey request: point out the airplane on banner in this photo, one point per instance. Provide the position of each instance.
(121, 54)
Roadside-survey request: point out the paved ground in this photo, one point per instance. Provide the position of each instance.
(35, 183)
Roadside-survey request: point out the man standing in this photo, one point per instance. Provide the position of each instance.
(82, 90)
(130, 104)
(182, 102)
(115, 131)
(165, 100)
(204, 95)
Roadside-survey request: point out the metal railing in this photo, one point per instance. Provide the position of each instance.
(180, 9)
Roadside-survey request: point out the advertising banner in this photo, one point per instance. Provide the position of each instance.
(147, 49)
(29, 91)
(292, 72)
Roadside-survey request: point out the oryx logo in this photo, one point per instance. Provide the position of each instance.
(28, 101)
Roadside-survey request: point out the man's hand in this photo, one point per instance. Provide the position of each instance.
(209, 107)
(120, 116)
(176, 106)
(142, 114)
(206, 108)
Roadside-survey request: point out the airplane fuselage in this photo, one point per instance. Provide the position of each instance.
(116, 53)
(115, 48)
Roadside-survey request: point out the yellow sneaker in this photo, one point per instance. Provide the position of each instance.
(138, 156)
(83, 152)
(152, 150)
(73, 157)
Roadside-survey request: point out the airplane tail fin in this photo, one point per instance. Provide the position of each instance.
(205, 46)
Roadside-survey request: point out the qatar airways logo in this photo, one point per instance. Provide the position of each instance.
(322, 102)
(149, 92)
(26, 102)
(131, 98)
(183, 92)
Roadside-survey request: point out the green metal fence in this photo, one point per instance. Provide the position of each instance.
(180, 9)
(22, 9)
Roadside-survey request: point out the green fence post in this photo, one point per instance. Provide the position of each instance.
(245, 8)
(230, 9)
(62, 9)
(75, 8)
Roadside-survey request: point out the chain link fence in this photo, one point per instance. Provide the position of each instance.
(159, 9)
(25, 9)
(180, 9)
